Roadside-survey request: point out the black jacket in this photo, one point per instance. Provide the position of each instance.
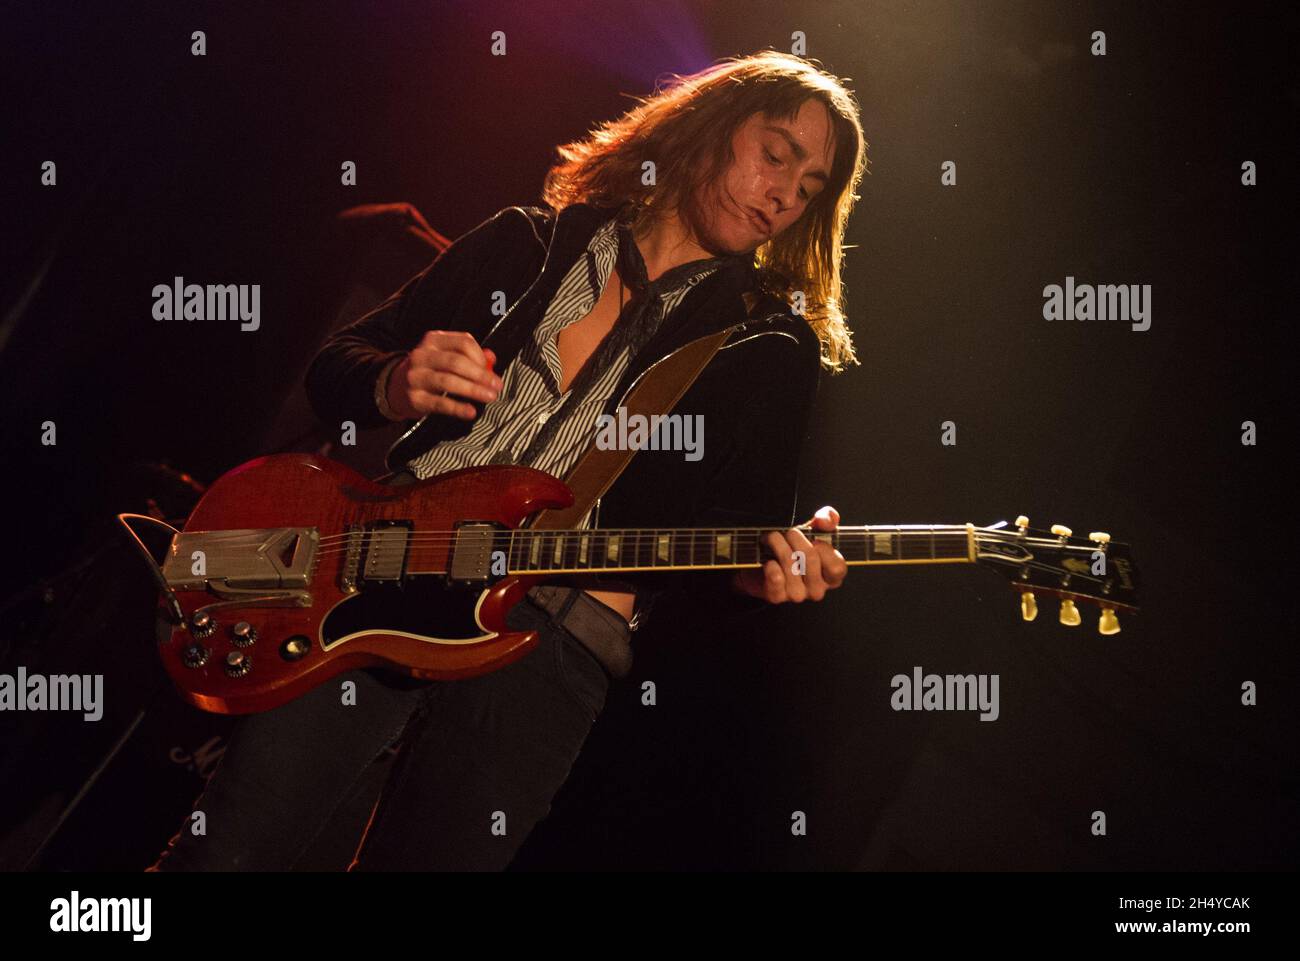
(755, 395)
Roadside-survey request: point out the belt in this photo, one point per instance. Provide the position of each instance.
(598, 627)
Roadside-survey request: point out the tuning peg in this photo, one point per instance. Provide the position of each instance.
(1109, 623)
(1022, 522)
(1101, 537)
(1070, 614)
(1028, 606)
(1060, 530)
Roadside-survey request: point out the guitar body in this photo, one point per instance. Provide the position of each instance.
(340, 573)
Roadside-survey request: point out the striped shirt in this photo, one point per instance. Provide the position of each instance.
(530, 391)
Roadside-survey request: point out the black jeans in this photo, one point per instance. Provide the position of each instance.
(479, 763)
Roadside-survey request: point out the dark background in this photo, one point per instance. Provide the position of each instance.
(1117, 169)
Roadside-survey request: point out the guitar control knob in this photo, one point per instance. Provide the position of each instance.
(243, 634)
(295, 648)
(1070, 614)
(238, 663)
(202, 624)
(1109, 623)
(1028, 606)
(196, 655)
(1060, 530)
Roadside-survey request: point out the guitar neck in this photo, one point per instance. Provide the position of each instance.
(630, 550)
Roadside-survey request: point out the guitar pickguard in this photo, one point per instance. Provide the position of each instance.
(424, 607)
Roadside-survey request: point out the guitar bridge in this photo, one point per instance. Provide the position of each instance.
(261, 560)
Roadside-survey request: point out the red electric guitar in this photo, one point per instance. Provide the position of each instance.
(293, 569)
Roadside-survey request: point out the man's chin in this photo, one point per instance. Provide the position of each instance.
(720, 248)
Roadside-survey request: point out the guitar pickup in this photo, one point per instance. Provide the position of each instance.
(387, 544)
(471, 553)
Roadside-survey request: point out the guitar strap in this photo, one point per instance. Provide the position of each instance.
(657, 392)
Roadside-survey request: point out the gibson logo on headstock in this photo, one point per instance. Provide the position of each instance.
(1075, 565)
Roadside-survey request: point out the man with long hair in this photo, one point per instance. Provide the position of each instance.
(720, 201)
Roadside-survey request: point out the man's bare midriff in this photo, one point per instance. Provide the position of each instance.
(622, 602)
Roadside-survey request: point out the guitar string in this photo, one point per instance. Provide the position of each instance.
(641, 533)
(638, 537)
(379, 541)
(842, 531)
(653, 534)
(639, 541)
(376, 541)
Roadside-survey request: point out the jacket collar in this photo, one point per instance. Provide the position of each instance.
(573, 228)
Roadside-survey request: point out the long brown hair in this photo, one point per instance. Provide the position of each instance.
(686, 126)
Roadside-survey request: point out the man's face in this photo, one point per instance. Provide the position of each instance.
(779, 166)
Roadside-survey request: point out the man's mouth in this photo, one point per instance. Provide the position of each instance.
(760, 221)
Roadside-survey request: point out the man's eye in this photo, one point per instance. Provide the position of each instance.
(803, 194)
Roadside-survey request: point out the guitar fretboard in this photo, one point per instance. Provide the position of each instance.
(645, 549)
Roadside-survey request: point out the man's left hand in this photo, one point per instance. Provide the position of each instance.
(776, 582)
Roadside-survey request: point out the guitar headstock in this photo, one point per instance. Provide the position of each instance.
(1093, 569)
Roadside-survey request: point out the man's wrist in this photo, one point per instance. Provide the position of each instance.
(382, 384)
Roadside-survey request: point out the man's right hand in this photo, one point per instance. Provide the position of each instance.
(445, 366)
